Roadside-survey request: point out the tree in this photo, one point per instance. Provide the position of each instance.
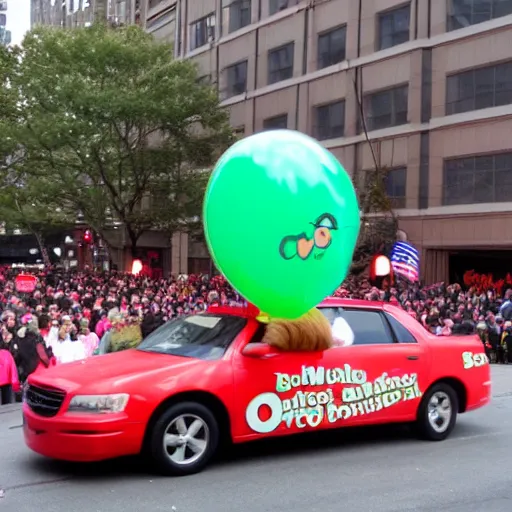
(8, 110)
(116, 128)
(31, 206)
(378, 222)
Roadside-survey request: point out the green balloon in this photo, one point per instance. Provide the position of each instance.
(281, 220)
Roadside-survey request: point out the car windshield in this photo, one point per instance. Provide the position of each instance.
(200, 336)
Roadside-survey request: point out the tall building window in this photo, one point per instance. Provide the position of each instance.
(331, 47)
(395, 181)
(386, 108)
(280, 5)
(464, 13)
(280, 63)
(239, 132)
(202, 31)
(394, 27)
(236, 14)
(276, 123)
(478, 179)
(490, 86)
(329, 120)
(236, 77)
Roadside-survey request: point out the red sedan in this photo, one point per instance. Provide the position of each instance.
(207, 378)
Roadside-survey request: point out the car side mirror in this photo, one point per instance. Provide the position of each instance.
(259, 351)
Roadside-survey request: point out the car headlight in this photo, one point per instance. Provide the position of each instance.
(99, 403)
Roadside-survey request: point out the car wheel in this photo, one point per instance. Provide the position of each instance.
(184, 439)
(438, 412)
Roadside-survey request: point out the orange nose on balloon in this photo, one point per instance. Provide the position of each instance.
(322, 237)
(304, 247)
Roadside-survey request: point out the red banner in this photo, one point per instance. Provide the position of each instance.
(25, 283)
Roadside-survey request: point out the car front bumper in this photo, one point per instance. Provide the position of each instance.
(82, 438)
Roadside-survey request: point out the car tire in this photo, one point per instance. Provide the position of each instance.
(437, 413)
(184, 439)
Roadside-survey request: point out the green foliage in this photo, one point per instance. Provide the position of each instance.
(7, 106)
(114, 128)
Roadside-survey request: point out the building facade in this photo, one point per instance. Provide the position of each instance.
(420, 89)
(5, 35)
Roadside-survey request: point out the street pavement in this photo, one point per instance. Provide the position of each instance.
(384, 470)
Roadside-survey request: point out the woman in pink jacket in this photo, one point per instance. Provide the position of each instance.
(9, 381)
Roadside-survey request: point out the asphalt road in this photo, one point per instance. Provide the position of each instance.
(385, 470)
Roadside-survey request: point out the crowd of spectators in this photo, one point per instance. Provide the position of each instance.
(71, 316)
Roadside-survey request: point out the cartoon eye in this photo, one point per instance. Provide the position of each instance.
(326, 220)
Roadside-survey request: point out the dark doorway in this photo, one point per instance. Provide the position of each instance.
(497, 263)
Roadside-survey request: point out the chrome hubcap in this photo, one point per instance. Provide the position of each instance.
(186, 439)
(439, 411)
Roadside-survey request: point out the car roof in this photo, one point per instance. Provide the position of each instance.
(350, 303)
(330, 302)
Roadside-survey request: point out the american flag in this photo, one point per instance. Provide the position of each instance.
(405, 261)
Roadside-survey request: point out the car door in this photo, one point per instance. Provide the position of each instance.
(389, 363)
(276, 394)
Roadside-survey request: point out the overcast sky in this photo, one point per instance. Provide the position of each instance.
(18, 19)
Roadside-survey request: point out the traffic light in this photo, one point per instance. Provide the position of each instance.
(88, 237)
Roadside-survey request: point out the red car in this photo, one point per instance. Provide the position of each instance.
(207, 378)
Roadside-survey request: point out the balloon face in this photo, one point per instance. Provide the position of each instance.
(281, 221)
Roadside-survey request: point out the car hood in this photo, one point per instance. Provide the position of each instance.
(115, 372)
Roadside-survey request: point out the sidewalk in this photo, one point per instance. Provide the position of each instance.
(5, 409)
(501, 375)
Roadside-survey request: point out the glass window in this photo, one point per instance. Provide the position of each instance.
(394, 27)
(402, 334)
(369, 327)
(236, 14)
(395, 186)
(236, 76)
(276, 123)
(202, 31)
(280, 63)
(330, 313)
(464, 13)
(279, 5)
(331, 47)
(490, 86)
(198, 336)
(330, 121)
(239, 132)
(478, 179)
(386, 108)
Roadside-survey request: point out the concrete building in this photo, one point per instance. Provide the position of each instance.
(432, 81)
(5, 35)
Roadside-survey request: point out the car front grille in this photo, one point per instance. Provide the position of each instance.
(45, 402)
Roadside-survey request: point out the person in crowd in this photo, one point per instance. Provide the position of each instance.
(9, 380)
(89, 339)
(67, 349)
(125, 332)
